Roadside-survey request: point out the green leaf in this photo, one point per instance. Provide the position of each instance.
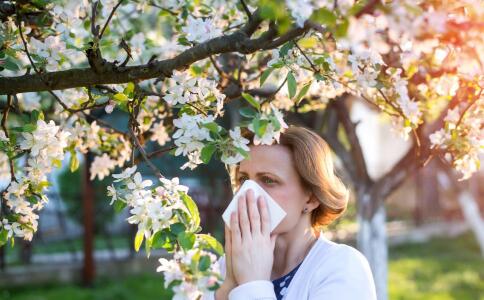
(34, 117)
(260, 126)
(138, 240)
(163, 239)
(319, 77)
(129, 88)
(192, 208)
(275, 122)
(291, 84)
(342, 28)
(211, 242)
(207, 152)
(265, 75)
(324, 16)
(212, 126)
(57, 163)
(308, 42)
(120, 97)
(10, 64)
(74, 162)
(148, 246)
(204, 263)
(29, 128)
(186, 240)
(177, 228)
(286, 47)
(251, 100)
(303, 92)
(3, 237)
(119, 205)
(247, 112)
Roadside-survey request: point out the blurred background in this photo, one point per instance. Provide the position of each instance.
(84, 250)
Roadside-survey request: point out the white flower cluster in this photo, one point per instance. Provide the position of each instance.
(159, 134)
(365, 68)
(50, 51)
(301, 10)
(46, 145)
(151, 209)
(187, 89)
(238, 145)
(90, 137)
(463, 142)
(292, 57)
(199, 30)
(196, 270)
(190, 136)
(409, 108)
(275, 126)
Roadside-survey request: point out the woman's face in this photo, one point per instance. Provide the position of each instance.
(272, 167)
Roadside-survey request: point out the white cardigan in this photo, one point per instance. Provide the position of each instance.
(330, 271)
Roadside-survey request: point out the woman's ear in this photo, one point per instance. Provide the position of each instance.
(312, 203)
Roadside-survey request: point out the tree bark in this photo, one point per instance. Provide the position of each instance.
(372, 242)
(471, 213)
(88, 270)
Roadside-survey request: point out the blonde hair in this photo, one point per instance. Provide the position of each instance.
(314, 164)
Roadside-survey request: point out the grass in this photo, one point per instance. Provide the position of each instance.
(144, 286)
(441, 269)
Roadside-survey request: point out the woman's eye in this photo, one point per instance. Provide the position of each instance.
(268, 180)
(242, 179)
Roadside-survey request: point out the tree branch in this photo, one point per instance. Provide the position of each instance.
(239, 41)
(356, 150)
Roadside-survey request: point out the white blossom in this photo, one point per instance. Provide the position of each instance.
(199, 30)
(101, 166)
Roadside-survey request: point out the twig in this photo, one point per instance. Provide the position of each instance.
(4, 127)
(307, 58)
(143, 154)
(468, 107)
(103, 123)
(246, 9)
(155, 153)
(109, 19)
(215, 65)
(94, 28)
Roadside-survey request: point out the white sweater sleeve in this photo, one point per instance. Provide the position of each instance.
(346, 277)
(254, 290)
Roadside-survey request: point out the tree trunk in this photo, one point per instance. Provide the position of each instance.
(470, 210)
(372, 242)
(88, 270)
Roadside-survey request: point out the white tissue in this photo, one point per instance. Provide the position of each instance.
(276, 213)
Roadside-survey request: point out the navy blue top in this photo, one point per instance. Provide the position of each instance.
(281, 284)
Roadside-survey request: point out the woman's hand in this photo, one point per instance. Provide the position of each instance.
(251, 242)
(229, 281)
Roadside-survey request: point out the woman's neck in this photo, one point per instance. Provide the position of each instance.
(291, 248)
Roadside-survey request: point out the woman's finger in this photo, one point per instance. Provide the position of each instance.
(235, 231)
(254, 215)
(265, 217)
(228, 253)
(228, 241)
(243, 217)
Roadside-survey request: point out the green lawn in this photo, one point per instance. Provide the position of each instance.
(439, 270)
(146, 286)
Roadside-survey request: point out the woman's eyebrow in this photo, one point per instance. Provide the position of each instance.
(259, 173)
(266, 173)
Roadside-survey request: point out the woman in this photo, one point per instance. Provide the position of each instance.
(295, 261)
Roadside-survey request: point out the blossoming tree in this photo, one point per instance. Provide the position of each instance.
(172, 66)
